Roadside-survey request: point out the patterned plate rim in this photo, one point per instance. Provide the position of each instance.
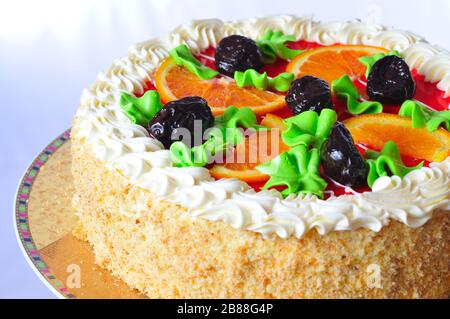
(21, 220)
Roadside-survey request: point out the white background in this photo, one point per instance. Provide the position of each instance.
(51, 50)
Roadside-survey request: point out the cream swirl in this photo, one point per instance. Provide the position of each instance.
(358, 33)
(437, 69)
(199, 35)
(394, 40)
(127, 148)
(152, 51)
(326, 33)
(419, 53)
(255, 28)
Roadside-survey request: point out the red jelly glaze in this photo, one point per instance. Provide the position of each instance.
(147, 87)
(206, 57)
(426, 93)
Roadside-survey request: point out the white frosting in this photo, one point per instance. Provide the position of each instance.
(126, 147)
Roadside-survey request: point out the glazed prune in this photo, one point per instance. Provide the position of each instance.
(237, 53)
(168, 123)
(309, 94)
(390, 81)
(341, 160)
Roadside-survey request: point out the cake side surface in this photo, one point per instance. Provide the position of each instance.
(158, 248)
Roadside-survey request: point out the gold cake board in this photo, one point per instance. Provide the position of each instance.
(68, 263)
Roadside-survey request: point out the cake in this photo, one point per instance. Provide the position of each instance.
(352, 202)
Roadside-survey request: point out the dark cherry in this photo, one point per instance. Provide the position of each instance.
(341, 160)
(237, 53)
(309, 94)
(390, 81)
(167, 123)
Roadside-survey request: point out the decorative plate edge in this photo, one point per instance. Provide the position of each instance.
(21, 220)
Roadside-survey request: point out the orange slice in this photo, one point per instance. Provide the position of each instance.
(174, 82)
(273, 121)
(256, 149)
(377, 129)
(332, 62)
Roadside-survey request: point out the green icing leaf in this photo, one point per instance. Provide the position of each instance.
(231, 136)
(226, 133)
(419, 114)
(238, 117)
(422, 116)
(297, 170)
(369, 61)
(140, 110)
(273, 44)
(387, 162)
(261, 81)
(198, 156)
(309, 128)
(345, 89)
(183, 57)
(439, 119)
(251, 78)
(183, 156)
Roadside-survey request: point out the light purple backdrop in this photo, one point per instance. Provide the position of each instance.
(51, 50)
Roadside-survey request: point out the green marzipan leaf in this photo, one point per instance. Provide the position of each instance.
(345, 89)
(386, 163)
(422, 116)
(251, 78)
(198, 156)
(273, 44)
(226, 133)
(183, 57)
(309, 128)
(140, 110)
(297, 170)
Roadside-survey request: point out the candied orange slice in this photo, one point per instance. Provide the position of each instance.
(377, 129)
(174, 82)
(332, 62)
(255, 150)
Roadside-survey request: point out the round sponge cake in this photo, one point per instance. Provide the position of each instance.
(156, 246)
